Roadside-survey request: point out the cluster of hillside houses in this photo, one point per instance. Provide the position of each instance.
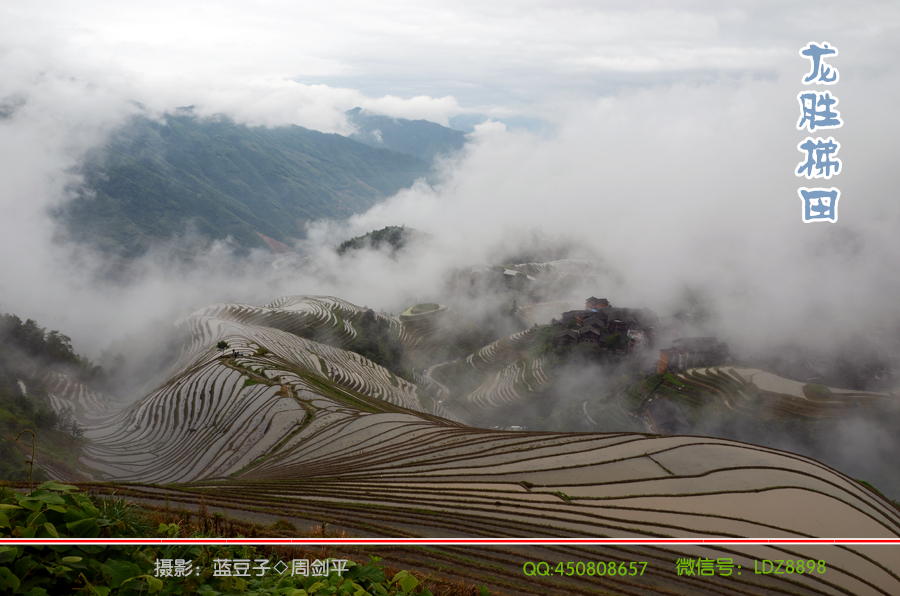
(600, 323)
(622, 330)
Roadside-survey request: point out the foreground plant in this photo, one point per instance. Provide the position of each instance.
(56, 510)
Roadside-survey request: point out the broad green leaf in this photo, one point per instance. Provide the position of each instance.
(51, 529)
(85, 503)
(31, 504)
(47, 497)
(7, 554)
(4, 521)
(8, 579)
(8, 506)
(73, 514)
(37, 518)
(53, 485)
(99, 590)
(57, 508)
(84, 528)
(120, 572)
(400, 575)
(70, 559)
(365, 572)
(408, 583)
(155, 584)
(91, 549)
(24, 564)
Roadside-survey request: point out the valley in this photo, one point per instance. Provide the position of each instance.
(284, 426)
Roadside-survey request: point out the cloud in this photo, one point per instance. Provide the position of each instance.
(688, 185)
(672, 156)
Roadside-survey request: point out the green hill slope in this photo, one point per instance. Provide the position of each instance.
(154, 180)
(420, 138)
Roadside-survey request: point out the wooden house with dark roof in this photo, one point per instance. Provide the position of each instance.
(598, 325)
(578, 315)
(590, 335)
(567, 337)
(596, 303)
(594, 321)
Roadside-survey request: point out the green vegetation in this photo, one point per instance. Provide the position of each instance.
(423, 308)
(815, 391)
(869, 486)
(29, 343)
(545, 345)
(214, 179)
(28, 353)
(393, 236)
(59, 511)
(375, 341)
(612, 342)
(544, 340)
(420, 138)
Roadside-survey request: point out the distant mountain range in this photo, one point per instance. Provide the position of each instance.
(155, 180)
(420, 138)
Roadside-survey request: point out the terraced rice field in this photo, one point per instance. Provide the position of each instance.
(64, 392)
(309, 432)
(440, 332)
(558, 268)
(764, 395)
(504, 370)
(541, 313)
(391, 475)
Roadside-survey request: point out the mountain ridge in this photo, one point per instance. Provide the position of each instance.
(219, 180)
(423, 139)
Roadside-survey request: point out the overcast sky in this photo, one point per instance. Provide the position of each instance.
(670, 141)
(292, 61)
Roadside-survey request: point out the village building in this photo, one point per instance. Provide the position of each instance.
(595, 322)
(593, 303)
(567, 337)
(590, 335)
(578, 315)
(692, 352)
(614, 328)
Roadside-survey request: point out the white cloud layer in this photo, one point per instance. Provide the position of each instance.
(673, 152)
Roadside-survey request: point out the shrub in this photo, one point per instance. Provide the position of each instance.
(57, 510)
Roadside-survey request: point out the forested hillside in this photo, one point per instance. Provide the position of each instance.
(421, 138)
(155, 180)
(33, 362)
